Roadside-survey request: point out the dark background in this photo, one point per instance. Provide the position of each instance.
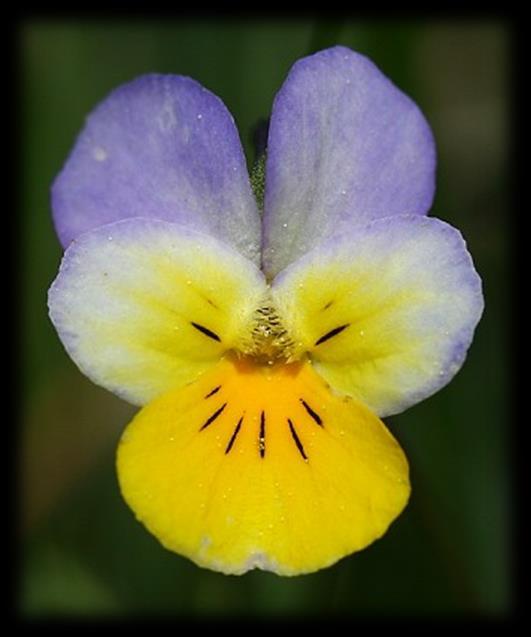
(83, 554)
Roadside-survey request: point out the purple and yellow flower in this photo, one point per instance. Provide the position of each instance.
(263, 342)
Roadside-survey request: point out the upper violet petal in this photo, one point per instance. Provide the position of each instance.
(162, 147)
(345, 146)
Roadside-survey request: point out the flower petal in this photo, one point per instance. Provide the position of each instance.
(387, 312)
(161, 147)
(258, 467)
(345, 147)
(143, 305)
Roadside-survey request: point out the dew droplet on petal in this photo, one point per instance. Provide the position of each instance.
(199, 116)
(99, 153)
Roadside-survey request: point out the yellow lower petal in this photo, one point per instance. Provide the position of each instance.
(262, 467)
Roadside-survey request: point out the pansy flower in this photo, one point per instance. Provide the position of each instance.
(263, 342)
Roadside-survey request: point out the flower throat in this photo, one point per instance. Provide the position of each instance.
(268, 342)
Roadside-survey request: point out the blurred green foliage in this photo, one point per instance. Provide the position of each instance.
(83, 552)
